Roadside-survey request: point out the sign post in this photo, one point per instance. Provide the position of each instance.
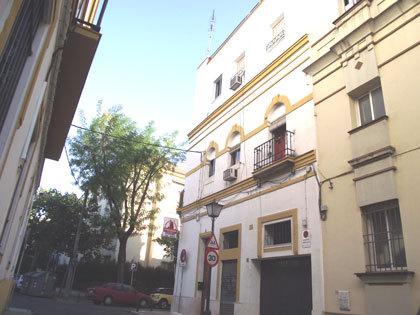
(182, 264)
(133, 268)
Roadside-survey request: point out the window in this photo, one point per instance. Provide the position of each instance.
(278, 26)
(383, 237)
(17, 49)
(230, 240)
(349, 3)
(235, 156)
(218, 86)
(371, 106)
(240, 63)
(212, 167)
(278, 233)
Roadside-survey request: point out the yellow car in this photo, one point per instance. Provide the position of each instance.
(162, 297)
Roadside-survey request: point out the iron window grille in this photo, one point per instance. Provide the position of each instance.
(17, 49)
(235, 157)
(278, 233)
(274, 150)
(218, 87)
(383, 238)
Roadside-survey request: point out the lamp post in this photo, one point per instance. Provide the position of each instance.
(213, 211)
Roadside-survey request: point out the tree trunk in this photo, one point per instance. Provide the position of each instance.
(121, 259)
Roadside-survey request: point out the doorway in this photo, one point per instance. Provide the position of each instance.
(228, 287)
(279, 135)
(286, 286)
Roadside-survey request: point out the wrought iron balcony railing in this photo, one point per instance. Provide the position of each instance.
(274, 150)
(86, 13)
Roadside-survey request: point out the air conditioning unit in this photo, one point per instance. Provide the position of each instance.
(236, 81)
(230, 174)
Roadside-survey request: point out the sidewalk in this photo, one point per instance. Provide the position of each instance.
(154, 312)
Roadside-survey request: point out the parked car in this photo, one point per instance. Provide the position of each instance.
(19, 282)
(162, 297)
(116, 293)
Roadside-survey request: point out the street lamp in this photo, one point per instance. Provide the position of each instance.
(213, 211)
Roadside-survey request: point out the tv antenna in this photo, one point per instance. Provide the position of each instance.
(211, 31)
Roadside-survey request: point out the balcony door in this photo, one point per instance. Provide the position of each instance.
(279, 135)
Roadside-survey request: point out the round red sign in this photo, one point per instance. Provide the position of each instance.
(183, 256)
(212, 257)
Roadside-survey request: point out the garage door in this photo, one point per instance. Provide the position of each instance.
(286, 287)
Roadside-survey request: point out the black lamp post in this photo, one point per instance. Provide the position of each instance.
(213, 211)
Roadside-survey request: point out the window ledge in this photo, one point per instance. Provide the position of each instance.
(386, 277)
(385, 117)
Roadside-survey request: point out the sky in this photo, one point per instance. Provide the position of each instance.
(146, 62)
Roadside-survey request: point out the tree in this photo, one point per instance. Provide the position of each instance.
(53, 223)
(122, 165)
(170, 246)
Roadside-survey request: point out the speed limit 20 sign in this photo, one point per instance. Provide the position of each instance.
(212, 257)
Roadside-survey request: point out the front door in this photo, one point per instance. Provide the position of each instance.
(228, 287)
(279, 143)
(286, 287)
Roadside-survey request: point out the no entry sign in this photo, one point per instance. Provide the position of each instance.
(183, 258)
(212, 257)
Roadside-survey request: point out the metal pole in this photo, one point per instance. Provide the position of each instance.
(180, 290)
(132, 273)
(207, 311)
(73, 258)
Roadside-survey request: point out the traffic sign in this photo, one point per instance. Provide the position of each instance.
(212, 257)
(212, 243)
(183, 258)
(133, 267)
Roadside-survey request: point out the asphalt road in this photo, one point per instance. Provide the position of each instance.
(47, 306)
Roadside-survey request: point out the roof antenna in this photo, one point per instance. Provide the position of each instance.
(211, 31)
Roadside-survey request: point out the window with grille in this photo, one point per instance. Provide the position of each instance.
(230, 240)
(349, 3)
(383, 237)
(17, 49)
(278, 233)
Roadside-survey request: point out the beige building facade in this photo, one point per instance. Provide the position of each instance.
(46, 49)
(366, 76)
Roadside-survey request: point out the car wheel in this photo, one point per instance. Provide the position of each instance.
(108, 300)
(143, 303)
(163, 303)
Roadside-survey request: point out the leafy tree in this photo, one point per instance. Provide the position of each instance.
(53, 223)
(170, 246)
(122, 165)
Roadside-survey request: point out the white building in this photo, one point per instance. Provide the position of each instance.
(46, 49)
(257, 135)
(143, 248)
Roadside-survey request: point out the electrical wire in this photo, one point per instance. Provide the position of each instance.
(143, 142)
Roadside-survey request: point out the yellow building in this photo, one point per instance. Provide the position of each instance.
(46, 49)
(366, 77)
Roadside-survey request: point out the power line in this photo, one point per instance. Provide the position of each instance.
(143, 142)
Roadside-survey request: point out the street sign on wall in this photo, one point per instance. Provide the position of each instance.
(183, 258)
(212, 257)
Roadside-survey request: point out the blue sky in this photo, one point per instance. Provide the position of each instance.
(146, 62)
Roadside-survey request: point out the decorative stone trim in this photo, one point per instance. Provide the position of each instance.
(372, 156)
(386, 277)
(385, 117)
(387, 169)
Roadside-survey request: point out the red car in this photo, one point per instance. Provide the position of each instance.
(116, 293)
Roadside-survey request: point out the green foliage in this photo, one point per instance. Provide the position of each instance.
(170, 246)
(122, 165)
(53, 223)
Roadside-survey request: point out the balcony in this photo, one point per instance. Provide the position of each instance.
(277, 39)
(77, 57)
(274, 156)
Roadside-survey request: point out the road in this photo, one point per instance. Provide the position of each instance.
(46, 306)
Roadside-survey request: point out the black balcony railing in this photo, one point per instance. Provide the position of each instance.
(17, 49)
(274, 150)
